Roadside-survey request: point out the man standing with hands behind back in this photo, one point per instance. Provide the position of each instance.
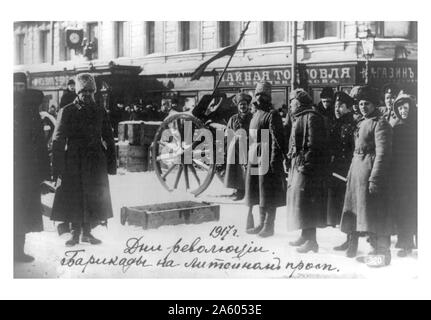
(83, 156)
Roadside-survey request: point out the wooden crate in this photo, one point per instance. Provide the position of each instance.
(173, 213)
(133, 158)
(138, 133)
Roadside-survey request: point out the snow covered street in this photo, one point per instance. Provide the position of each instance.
(194, 251)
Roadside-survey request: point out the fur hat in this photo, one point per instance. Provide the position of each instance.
(302, 96)
(368, 93)
(242, 97)
(263, 88)
(85, 81)
(327, 93)
(344, 98)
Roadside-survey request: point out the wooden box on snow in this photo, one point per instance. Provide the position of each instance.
(173, 213)
(138, 133)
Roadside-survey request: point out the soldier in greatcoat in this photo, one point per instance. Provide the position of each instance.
(306, 184)
(265, 178)
(365, 204)
(341, 146)
(83, 156)
(237, 133)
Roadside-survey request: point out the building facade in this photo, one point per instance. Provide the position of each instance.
(150, 60)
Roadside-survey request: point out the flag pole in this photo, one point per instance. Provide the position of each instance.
(228, 62)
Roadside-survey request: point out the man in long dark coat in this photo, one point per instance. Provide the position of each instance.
(365, 205)
(404, 174)
(237, 132)
(305, 193)
(31, 166)
(265, 178)
(83, 155)
(341, 146)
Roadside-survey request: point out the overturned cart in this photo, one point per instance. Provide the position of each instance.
(182, 152)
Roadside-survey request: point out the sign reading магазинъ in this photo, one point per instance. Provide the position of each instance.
(344, 74)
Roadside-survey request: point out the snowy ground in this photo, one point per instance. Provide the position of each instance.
(143, 188)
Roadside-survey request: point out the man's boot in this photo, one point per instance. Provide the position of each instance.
(344, 246)
(259, 228)
(352, 249)
(74, 240)
(87, 237)
(268, 227)
(250, 219)
(309, 245)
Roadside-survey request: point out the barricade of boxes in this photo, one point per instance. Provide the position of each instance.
(134, 144)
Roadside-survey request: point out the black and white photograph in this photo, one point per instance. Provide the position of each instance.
(221, 148)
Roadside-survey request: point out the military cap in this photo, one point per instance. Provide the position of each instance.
(344, 98)
(302, 96)
(327, 93)
(391, 88)
(368, 93)
(242, 96)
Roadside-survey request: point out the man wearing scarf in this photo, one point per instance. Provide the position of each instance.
(83, 155)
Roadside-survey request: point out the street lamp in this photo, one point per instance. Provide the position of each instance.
(367, 41)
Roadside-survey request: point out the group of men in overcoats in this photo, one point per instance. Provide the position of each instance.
(348, 163)
(343, 162)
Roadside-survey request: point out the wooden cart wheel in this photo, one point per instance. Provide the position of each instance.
(168, 155)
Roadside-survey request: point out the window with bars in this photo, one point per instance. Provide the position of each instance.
(274, 31)
(188, 35)
(19, 49)
(322, 29)
(119, 39)
(44, 46)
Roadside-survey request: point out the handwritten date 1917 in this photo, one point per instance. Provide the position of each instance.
(222, 232)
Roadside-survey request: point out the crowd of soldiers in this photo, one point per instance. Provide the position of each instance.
(344, 162)
(348, 163)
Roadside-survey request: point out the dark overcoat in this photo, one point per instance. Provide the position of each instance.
(404, 173)
(363, 211)
(235, 171)
(266, 189)
(31, 164)
(306, 195)
(67, 98)
(83, 155)
(341, 146)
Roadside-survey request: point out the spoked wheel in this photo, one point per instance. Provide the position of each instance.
(176, 157)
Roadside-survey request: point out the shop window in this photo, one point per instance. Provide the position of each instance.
(19, 51)
(229, 32)
(322, 29)
(119, 39)
(188, 35)
(274, 31)
(44, 46)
